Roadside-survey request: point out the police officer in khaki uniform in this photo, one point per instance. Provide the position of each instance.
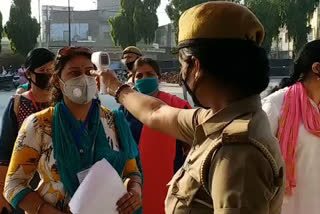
(235, 165)
(129, 55)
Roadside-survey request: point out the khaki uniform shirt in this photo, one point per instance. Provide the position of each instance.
(244, 174)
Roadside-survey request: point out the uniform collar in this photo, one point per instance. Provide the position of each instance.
(215, 122)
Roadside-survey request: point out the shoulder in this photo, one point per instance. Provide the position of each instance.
(276, 99)
(254, 130)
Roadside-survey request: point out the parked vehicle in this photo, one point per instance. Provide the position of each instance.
(6, 82)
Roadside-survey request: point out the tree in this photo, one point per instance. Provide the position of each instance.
(137, 20)
(296, 15)
(268, 12)
(176, 7)
(1, 31)
(21, 29)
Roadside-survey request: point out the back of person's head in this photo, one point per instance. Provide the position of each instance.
(37, 58)
(146, 61)
(225, 37)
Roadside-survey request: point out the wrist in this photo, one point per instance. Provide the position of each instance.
(121, 88)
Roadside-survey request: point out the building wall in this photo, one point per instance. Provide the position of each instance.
(112, 5)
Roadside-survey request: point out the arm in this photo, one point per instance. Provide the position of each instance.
(241, 181)
(22, 167)
(8, 134)
(150, 111)
(132, 201)
(273, 114)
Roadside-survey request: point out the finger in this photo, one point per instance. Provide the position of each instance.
(123, 200)
(127, 206)
(131, 205)
(95, 73)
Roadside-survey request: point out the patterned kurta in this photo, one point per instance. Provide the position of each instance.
(33, 151)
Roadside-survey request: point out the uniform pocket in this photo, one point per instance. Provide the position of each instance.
(185, 188)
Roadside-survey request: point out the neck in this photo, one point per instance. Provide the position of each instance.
(218, 98)
(79, 111)
(40, 95)
(313, 89)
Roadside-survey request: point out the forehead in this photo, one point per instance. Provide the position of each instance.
(130, 55)
(145, 68)
(48, 64)
(79, 61)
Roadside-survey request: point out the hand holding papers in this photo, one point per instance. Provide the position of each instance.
(99, 191)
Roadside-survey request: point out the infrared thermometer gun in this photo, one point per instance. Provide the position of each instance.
(102, 61)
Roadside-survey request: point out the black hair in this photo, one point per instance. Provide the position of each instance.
(37, 58)
(239, 64)
(307, 56)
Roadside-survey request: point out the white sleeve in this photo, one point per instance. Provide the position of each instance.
(273, 112)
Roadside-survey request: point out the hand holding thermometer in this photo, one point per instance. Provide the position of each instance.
(102, 61)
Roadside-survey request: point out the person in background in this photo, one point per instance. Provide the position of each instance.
(235, 163)
(129, 56)
(294, 115)
(23, 88)
(68, 138)
(39, 63)
(22, 75)
(161, 154)
(23, 81)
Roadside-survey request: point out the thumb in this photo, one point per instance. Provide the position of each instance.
(95, 73)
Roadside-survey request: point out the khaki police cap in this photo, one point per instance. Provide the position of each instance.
(219, 20)
(132, 49)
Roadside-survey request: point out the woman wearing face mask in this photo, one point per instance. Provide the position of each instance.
(293, 112)
(70, 137)
(156, 148)
(39, 64)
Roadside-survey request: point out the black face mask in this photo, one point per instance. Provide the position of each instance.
(42, 80)
(130, 65)
(190, 92)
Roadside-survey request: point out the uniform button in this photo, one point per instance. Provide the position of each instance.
(175, 189)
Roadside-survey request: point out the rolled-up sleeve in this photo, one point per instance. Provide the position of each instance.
(241, 181)
(8, 134)
(186, 125)
(24, 161)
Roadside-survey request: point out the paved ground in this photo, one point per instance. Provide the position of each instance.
(109, 101)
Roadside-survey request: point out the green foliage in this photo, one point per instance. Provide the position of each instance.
(268, 12)
(296, 16)
(293, 14)
(137, 20)
(1, 31)
(21, 29)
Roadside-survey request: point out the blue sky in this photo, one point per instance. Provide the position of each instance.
(78, 4)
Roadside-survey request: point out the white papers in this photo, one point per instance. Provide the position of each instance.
(99, 191)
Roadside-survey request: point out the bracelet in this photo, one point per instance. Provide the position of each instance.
(118, 91)
(132, 181)
(39, 207)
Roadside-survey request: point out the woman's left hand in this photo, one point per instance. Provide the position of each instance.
(129, 203)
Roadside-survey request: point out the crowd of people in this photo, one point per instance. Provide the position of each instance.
(234, 153)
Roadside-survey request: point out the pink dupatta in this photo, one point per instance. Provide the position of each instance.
(297, 107)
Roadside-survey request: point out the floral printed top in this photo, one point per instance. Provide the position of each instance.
(33, 151)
